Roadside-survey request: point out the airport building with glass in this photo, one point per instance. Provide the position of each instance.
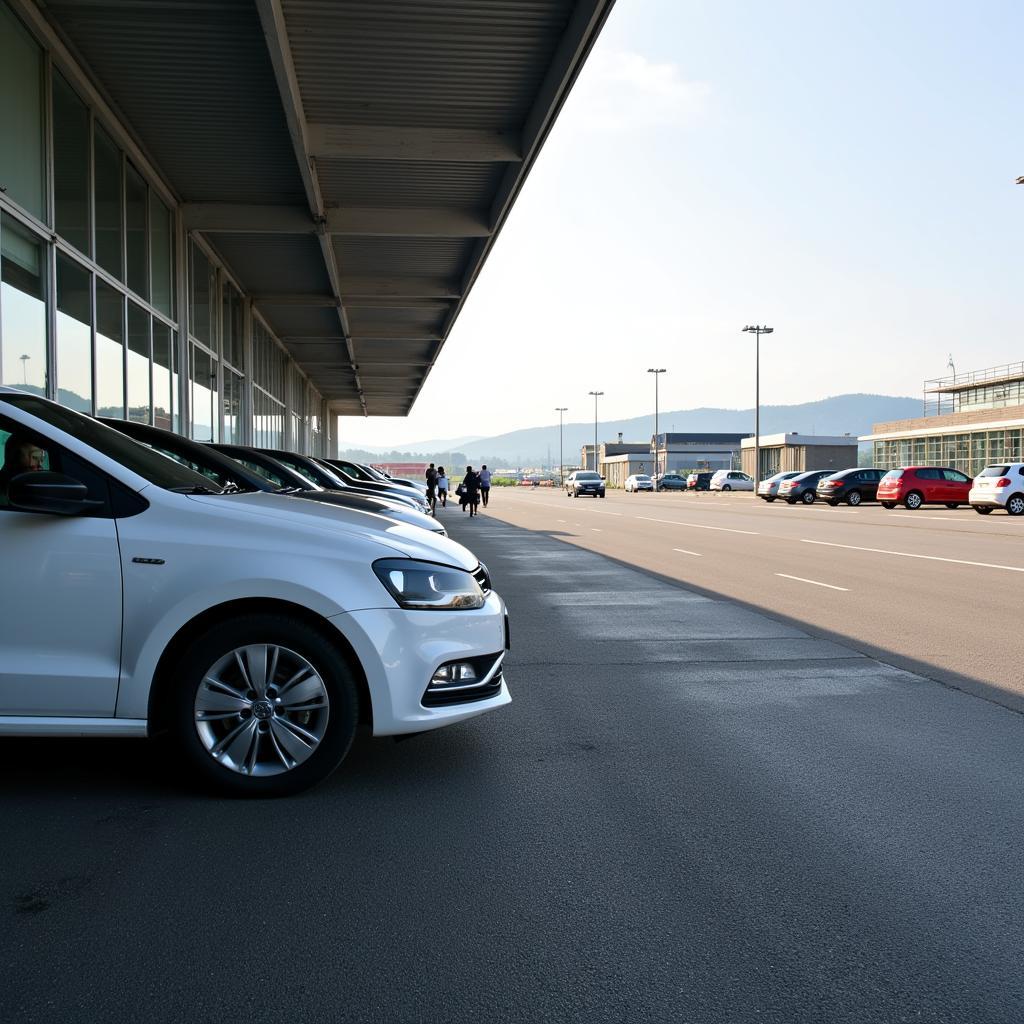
(970, 420)
(244, 219)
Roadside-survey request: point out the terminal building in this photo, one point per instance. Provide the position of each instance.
(684, 453)
(244, 219)
(799, 453)
(970, 420)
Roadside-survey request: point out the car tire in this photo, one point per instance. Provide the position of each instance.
(791, 501)
(808, 497)
(726, 487)
(203, 715)
(983, 510)
(888, 504)
(854, 498)
(952, 504)
(1015, 505)
(769, 500)
(914, 500)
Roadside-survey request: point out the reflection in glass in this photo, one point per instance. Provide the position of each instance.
(71, 165)
(109, 351)
(21, 125)
(138, 364)
(74, 335)
(232, 429)
(161, 255)
(107, 187)
(231, 331)
(162, 403)
(199, 295)
(23, 309)
(204, 395)
(135, 224)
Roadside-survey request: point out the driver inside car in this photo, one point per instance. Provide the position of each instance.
(20, 456)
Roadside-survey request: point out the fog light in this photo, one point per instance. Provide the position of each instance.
(456, 674)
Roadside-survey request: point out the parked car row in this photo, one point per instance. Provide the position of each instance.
(256, 607)
(997, 486)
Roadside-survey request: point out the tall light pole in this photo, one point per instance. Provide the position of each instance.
(596, 395)
(757, 330)
(657, 374)
(24, 357)
(561, 461)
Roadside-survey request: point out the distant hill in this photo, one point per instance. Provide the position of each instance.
(841, 414)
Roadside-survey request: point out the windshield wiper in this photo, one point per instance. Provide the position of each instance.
(194, 489)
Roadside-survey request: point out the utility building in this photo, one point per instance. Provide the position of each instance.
(678, 453)
(800, 453)
(242, 219)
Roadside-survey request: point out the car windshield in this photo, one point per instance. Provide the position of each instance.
(641, 476)
(587, 476)
(995, 471)
(150, 465)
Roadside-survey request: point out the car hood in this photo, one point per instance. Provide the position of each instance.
(379, 506)
(411, 541)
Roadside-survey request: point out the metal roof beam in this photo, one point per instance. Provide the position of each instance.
(247, 219)
(320, 301)
(275, 31)
(356, 287)
(382, 142)
(407, 222)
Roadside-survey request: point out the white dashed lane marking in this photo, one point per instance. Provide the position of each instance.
(698, 526)
(683, 551)
(907, 554)
(816, 583)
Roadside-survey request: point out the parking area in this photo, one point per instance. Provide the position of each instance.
(935, 591)
(690, 810)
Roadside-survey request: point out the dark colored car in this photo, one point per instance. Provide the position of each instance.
(234, 475)
(850, 485)
(584, 481)
(699, 481)
(672, 482)
(915, 486)
(801, 488)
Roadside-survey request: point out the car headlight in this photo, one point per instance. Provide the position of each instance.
(428, 587)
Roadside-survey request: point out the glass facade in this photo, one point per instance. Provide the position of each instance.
(968, 452)
(90, 310)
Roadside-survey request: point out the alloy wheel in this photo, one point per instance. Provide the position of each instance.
(1015, 505)
(261, 710)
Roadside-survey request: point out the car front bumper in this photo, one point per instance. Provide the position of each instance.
(400, 650)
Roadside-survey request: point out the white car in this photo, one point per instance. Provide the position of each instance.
(639, 482)
(257, 629)
(769, 489)
(999, 486)
(731, 480)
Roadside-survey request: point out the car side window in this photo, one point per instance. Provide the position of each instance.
(22, 451)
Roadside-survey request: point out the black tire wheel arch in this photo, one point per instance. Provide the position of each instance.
(888, 504)
(808, 497)
(854, 498)
(296, 635)
(983, 510)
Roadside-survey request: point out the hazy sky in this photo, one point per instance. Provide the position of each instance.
(843, 172)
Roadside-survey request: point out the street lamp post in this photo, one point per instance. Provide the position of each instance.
(596, 395)
(757, 330)
(24, 357)
(561, 461)
(657, 467)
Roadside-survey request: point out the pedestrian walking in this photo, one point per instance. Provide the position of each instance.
(442, 486)
(431, 475)
(485, 484)
(470, 491)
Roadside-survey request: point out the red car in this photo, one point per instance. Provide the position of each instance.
(924, 485)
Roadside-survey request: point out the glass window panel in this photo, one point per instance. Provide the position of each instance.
(136, 199)
(23, 308)
(139, 375)
(21, 125)
(71, 165)
(199, 295)
(107, 187)
(1012, 449)
(231, 331)
(109, 351)
(162, 402)
(161, 255)
(74, 335)
(205, 395)
(995, 445)
(232, 429)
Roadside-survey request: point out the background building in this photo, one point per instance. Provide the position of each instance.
(976, 418)
(679, 453)
(800, 453)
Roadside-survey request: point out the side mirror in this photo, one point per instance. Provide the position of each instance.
(55, 493)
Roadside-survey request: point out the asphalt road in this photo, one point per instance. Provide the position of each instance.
(691, 812)
(936, 591)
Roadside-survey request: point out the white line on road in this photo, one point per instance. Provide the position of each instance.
(559, 520)
(698, 526)
(683, 551)
(907, 554)
(914, 515)
(594, 529)
(800, 579)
